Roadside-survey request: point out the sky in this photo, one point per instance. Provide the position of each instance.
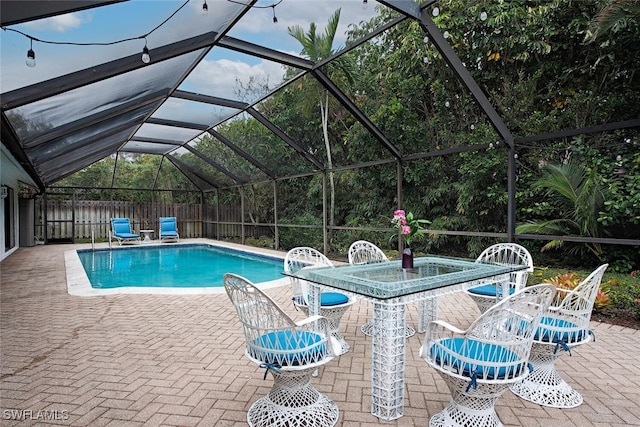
(135, 18)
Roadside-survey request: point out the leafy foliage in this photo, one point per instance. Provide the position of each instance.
(576, 197)
(408, 225)
(615, 17)
(569, 281)
(312, 237)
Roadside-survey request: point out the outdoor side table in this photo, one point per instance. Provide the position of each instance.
(147, 235)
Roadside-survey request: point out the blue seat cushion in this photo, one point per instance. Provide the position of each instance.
(327, 299)
(169, 233)
(487, 290)
(333, 298)
(571, 333)
(455, 350)
(289, 348)
(126, 235)
(168, 225)
(121, 227)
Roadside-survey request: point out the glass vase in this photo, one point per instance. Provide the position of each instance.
(407, 258)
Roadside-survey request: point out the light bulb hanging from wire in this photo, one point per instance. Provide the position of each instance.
(145, 53)
(436, 9)
(483, 14)
(146, 58)
(31, 56)
(364, 4)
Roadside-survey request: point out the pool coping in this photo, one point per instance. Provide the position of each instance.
(78, 283)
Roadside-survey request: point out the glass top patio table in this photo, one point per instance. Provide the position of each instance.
(388, 280)
(391, 288)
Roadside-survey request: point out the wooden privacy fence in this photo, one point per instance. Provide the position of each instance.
(65, 219)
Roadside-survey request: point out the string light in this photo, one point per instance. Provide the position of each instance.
(146, 58)
(145, 53)
(272, 6)
(483, 14)
(31, 56)
(436, 9)
(364, 4)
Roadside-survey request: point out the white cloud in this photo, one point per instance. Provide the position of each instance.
(257, 25)
(219, 77)
(60, 23)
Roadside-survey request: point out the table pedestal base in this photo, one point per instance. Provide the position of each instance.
(427, 311)
(388, 361)
(367, 329)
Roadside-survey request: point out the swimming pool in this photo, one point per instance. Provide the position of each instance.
(174, 266)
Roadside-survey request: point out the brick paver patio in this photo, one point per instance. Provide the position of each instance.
(177, 360)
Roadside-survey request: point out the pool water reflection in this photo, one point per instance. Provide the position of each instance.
(175, 266)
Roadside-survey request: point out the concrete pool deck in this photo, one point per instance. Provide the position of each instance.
(178, 360)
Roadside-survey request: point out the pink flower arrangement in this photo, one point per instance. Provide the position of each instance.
(408, 225)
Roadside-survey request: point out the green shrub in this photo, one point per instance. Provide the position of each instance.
(624, 291)
(261, 242)
(294, 237)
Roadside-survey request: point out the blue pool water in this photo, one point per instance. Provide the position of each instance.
(176, 266)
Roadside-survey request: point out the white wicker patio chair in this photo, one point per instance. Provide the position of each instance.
(291, 352)
(565, 325)
(480, 363)
(502, 253)
(333, 305)
(364, 252)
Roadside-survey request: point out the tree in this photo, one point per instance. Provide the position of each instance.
(575, 197)
(316, 47)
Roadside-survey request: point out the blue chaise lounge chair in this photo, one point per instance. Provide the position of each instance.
(169, 229)
(121, 231)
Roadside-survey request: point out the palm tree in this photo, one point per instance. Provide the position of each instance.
(316, 47)
(616, 15)
(579, 196)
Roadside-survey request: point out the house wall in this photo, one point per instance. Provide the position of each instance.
(11, 174)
